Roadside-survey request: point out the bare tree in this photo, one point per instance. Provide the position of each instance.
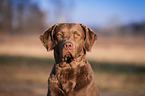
(20, 17)
(5, 15)
(63, 10)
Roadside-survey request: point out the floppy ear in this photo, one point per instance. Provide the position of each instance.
(90, 37)
(47, 38)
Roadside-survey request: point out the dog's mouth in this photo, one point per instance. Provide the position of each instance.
(68, 57)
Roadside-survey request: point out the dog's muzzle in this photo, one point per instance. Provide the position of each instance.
(68, 54)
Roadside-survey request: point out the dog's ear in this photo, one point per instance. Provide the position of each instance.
(90, 37)
(47, 38)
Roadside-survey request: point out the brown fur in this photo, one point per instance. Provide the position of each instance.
(71, 75)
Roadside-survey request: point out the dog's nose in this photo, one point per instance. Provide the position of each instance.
(68, 45)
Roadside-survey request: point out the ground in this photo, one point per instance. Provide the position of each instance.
(118, 64)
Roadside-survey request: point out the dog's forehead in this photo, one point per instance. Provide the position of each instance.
(69, 27)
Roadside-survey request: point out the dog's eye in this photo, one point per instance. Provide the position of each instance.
(77, 35)
(58, 35)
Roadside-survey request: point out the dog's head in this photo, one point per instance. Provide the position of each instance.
(68, 40)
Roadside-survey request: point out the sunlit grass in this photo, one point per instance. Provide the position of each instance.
(117, 78)
(118, 68)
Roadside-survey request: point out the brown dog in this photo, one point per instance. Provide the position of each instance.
(71, 75)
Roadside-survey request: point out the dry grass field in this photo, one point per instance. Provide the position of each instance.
(118, 64)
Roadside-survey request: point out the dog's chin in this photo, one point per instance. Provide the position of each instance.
(68, 58)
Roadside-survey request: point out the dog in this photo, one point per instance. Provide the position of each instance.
(71, 75)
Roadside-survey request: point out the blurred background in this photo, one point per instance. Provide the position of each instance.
(117, 58)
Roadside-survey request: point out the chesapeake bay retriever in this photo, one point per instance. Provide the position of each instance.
(71, 75)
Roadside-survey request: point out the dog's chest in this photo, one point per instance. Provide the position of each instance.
(67, 79)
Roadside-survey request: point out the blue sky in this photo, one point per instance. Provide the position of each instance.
(99, 12)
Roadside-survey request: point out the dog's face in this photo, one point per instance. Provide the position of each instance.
(68, 40)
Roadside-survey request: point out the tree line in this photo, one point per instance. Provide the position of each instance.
(26, 17)
(132, 29)
(21, 17)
